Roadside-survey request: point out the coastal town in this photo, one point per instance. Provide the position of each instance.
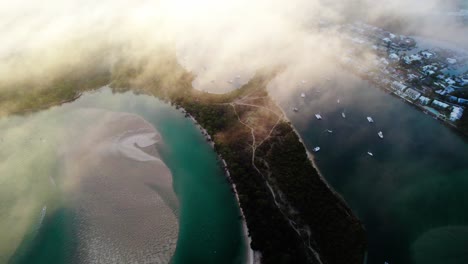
(431, 77)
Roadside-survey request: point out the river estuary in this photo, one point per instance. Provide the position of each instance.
(109, 178)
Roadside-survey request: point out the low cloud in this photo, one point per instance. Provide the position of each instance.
(223, 43)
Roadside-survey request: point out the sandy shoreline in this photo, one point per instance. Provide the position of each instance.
(252, 257)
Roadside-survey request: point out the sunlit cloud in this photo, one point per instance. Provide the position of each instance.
(222, 42)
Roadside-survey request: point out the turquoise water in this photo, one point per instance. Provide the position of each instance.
(210, 230)
(412, 194)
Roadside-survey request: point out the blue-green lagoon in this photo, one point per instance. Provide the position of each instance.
(113, 178)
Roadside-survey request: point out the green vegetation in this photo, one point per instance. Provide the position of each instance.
(32, 98)
(339, 235)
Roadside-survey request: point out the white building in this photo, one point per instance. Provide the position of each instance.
(441, 92)
(449, 89)
(464, 81)
(451, 61)
(450, 81)
(383, 61)
(393, 57)
(456, 114)
(398, 86)
(427, 54)
(440, 104)
(412, 77)
(429, 69)
(424, 100)
(413, 94)
(463, 101)
(410, 59)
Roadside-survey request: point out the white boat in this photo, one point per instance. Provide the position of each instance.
(370, 153)
(338, 101)
(303, 81)
(380, 134)
(370, 119)
(343, 114)
(316, 149)
(303, 95)
(295, 109)
(318, 116)
(230, 81)
(329, 131)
